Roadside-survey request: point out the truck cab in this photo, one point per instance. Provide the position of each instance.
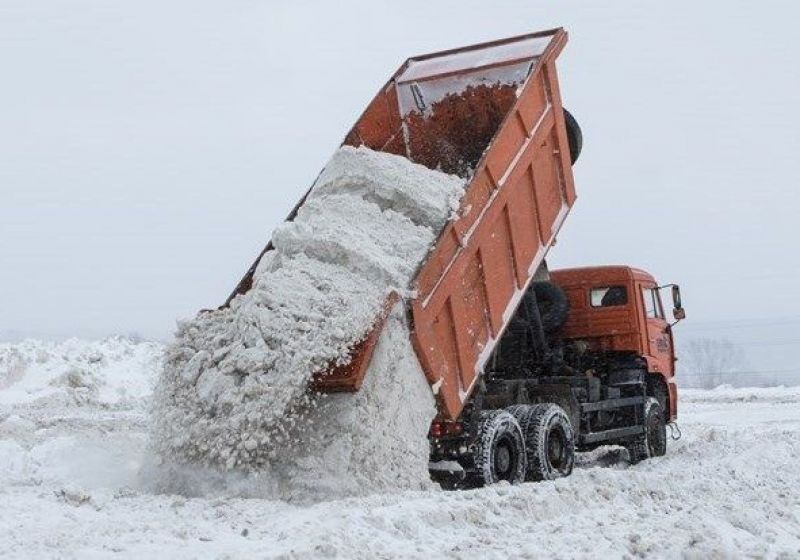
(619, 310)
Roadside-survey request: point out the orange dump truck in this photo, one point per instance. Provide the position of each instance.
(527, 365)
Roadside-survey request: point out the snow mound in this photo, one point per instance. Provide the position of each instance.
(73, 413)
(234, 390)
(106, 371)
(727, 489)
(348, 444)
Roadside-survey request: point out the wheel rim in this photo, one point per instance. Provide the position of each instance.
(655, 435)
(504, 459)
(557, 453)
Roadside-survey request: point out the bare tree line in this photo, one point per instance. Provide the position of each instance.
(710, 362)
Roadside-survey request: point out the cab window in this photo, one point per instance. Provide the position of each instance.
(609, 296)
(652, 304)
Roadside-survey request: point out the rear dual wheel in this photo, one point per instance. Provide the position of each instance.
(499, 453)
(549, 440)
(524, 443)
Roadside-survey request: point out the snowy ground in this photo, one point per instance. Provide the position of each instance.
(73, 421)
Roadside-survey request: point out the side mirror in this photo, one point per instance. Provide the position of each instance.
(678, 311)
(676, 297)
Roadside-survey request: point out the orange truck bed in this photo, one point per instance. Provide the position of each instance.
(490, 112)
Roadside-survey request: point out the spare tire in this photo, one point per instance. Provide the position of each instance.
(553, 305)
(574, 136)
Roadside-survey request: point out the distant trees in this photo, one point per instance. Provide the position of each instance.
(709, 362)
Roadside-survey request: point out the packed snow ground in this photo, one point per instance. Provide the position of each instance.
(73, 429)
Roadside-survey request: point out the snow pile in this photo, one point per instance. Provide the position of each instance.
(105, 371)
(233, 392)
(74, 413)
(373, 440)
(348, 444)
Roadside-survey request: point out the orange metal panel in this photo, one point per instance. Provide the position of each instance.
(530, 177)
(348, 377)
(466, 354)
(545, 169)
(474, 200)
(617, 328)
(381, 120)
(561, 130)
(524, 222)
(438, 260)
(476, 317)
(530, 113)
(499, 267)
(509, 140)
(445, 342)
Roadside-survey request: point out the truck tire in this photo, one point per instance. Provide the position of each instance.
(654, 442)
(499, 453)
(574, 136)
(657, 388)
(553, 305)
(549, 440)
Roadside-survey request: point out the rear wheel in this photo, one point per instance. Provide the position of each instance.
(499, 453)
(654, 441)
(549, 440)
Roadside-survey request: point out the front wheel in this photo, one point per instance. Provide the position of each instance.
(654, 441)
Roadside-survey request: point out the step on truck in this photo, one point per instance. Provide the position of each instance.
(527, 365)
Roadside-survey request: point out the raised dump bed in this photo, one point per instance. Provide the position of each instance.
(492, 114)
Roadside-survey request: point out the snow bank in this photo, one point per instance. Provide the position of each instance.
(233, 393)
(105, 371)
(73, 413)
(727, 489)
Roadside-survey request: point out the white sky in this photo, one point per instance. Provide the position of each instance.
(147, 149)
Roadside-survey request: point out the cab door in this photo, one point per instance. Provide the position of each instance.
(659, 341)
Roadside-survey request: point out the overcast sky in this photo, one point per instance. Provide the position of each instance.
(148, 148)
